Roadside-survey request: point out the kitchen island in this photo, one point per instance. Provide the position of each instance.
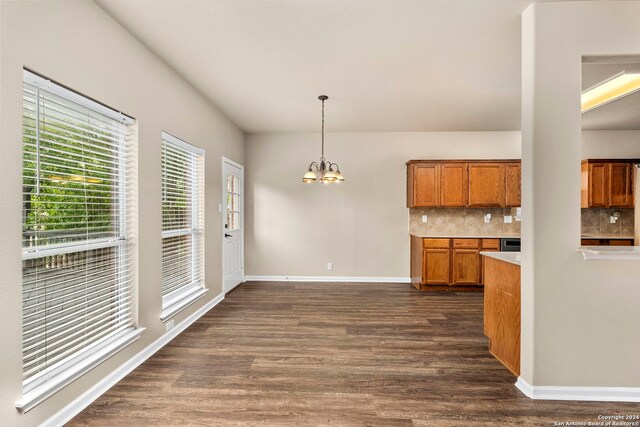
(502, 307)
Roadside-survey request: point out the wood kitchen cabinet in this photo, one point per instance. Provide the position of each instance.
(453, 184)
(502, 312)
(620, 183)
(465, 183)
(437, 262)
(487, 184)
(606, 242)
(424, 185)
(607, 183)
(513, 180)
(465, 262)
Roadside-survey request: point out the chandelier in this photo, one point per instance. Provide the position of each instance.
(325, 171)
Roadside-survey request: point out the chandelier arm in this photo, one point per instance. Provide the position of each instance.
(314, 164)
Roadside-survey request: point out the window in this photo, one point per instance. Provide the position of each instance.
(182, 224)
(233, 202)
(77, 236)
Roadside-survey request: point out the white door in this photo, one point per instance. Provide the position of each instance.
(232, 224)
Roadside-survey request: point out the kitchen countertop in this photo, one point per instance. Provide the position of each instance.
(510, 257)
(622, 253)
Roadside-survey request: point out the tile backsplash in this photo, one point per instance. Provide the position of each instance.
(462, 222)
(595, 222)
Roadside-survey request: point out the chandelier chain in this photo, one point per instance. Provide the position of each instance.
(322, 129)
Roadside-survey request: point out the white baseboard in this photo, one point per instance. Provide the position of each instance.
(598, 394)
(85, 399)
(349, 279)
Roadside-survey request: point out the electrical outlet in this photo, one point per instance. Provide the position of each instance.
(424, 218)
(330, 266)
(487, 218)
(508, 219)
(169, 325)
(219, 207)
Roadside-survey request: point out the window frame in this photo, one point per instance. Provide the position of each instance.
(180, 298)
(50, 379)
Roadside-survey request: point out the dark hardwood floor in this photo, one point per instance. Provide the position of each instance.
(287, 354)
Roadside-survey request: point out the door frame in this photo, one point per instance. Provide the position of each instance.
(223, 219)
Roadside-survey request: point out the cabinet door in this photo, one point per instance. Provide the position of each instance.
(426, 185)
(619, 185)
(453, 184)
(620, 242)
(437, 266)
(513, 181)
(466, 267)
(590, 242)
(598, 185)
(486, 184)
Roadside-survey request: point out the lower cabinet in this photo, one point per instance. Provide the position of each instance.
(466, 267)
(437, 266)
(502, 312)
(606, 242)
(448, 261)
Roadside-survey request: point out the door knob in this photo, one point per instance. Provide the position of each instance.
(227, 235)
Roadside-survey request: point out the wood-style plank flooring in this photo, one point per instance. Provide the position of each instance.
(341, 354)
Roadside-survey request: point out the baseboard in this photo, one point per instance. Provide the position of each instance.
(84, 400)
(597, 394)
(349, 279)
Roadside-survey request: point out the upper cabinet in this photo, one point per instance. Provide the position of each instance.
(479, 183)
(424, 185)
(486, 184)
(607, 183)
(513, 179)
(453, 184)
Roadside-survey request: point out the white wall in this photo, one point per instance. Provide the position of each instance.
(610, 144)
(77, 44)
(580, 322)
(361, 225)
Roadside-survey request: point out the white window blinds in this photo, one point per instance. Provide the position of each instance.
(77, 257)
(182, 223)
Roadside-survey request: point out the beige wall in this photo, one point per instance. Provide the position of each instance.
(77, 44)
(610, 144)
(580, 323)
(361, 225)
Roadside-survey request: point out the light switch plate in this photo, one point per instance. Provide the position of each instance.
(424, 218)
(508, 219)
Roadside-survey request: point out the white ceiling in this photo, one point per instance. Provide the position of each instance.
(409, 65)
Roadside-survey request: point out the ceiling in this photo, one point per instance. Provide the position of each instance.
(621, 114)
(409, 65)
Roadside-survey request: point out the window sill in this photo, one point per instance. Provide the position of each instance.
(182, 301)
(615, 253)
(39, 394)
